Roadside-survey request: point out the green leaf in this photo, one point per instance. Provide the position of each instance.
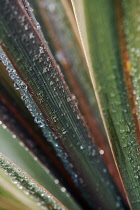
(19, 154)
(12, 197)
(130, 21)
(103, 47)
(31, 187)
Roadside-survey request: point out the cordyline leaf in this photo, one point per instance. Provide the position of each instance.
(129, 19)
(31, 187)
(19, 154)
(34, 64)
(12, 198)
(104, 44)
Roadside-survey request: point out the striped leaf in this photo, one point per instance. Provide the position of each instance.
(107, 35)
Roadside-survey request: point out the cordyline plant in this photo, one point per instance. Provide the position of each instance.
(56, 57)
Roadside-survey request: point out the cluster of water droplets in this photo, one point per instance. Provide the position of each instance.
(29, 186)
(131, 27)
(132, 31)
(29, 10)
(38, 117)
(58, 18)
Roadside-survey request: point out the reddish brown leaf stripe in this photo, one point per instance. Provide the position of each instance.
(126, 67)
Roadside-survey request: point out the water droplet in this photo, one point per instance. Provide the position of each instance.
(68, 195)
(56, 181)
(31, 35)
(26, 192)
(20, 186)
(15, 181)
(73, 97)
(4, 126)
(26, 148)
(81, 147)
(101, 152)
(21, 144)
(26, 27)
(136, 176)
(52, 7)
(117, 204)
(14, 136)
(41, 50)
(104, 170)
(64, 131)
(121, 131)
(78, 116)
(93, 152)
(63, 189)
(51, 82)
(68, 99)
(45, 70)
(38, 26)
(35, 158)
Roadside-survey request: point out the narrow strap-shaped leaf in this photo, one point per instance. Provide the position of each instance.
(19, 154)
(29, 185)
(11, 197)
(36, 67)
(103, 44)
(130, 14)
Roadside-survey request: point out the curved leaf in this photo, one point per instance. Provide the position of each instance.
(29, 185)
(103, 46)
(19, 154)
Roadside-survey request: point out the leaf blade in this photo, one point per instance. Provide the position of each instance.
(28, 184)
(108, 78)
